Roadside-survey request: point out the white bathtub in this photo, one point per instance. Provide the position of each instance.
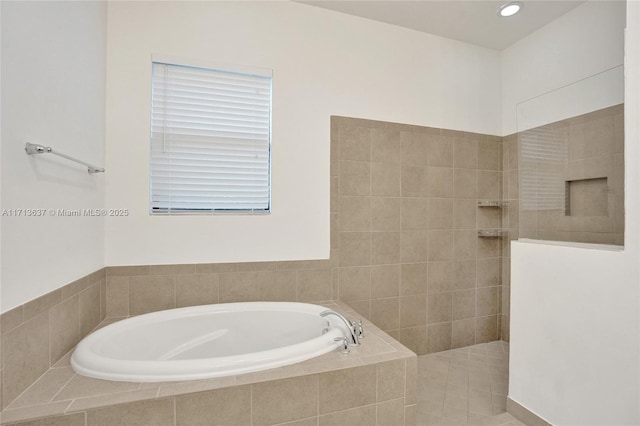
(207, 341)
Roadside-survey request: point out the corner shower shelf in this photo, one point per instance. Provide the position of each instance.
(492, 203)
(492, 233)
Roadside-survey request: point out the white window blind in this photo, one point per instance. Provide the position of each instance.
(210, 140)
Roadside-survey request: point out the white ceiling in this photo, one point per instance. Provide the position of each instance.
(475, 21)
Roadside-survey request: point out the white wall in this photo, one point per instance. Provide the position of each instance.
(324, 63)
(586, 41)
(53, 83)
(575, 311)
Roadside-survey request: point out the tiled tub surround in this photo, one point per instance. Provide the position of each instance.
(374, 384)
(404, 221)
(36, 335)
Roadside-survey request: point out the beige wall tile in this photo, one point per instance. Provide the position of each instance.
(489, 155)
(413, 278)
(355, 142)
(151, 293)
(390, 413)
(334, 231)
(311, 421)
(361, 416)
(410, 415)
(488, 272)
(385, 213)
(385, 146)
(172, 269)
(414, 338)
(465, 153)
(355, 283)
(45, 388)
(440, 182)
(439, 307)
(385, 179)
(354, 213)
(487, 301)
(212, 268)
(282, 289)
(440, 213)
(411, 374)
(385, 248)
(25, 356)
(414, 148)
(256, 266)
(315, 285)
(89, 309)
(218, 407)
(355, 248)
(341, 390)
(127, 271)
(415, 213)
(157, 412)
(64, 327)
(413, 311)
(463, 304)
(489, 217)
(464, 212)
(440, 245)
(465, 183)
(243, 286)
(385, 313)
(439, 337)
(414, 246)
(465, 274)
(355, 178)
(284, 400)
(11, 319)
(117, 296)
(486, 329)
(465, 244)
(196, 289)
(385, 281)
(440, 151)
(334, 199)
(414, 181)
(441, 276)
(463, 333)
(391, 380)
(489, 185)
(42, 304)
(488, 247)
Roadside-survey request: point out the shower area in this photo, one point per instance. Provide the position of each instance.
(422, 220)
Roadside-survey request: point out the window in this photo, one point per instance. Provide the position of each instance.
(210, 140)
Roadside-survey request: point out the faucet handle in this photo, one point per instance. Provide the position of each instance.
(360, 330)
(344, 348)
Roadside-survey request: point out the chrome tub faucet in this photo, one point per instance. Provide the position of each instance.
(355, 329)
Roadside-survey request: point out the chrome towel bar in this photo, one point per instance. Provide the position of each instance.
(31, 148)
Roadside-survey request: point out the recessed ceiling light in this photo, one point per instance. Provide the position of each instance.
(510, 9)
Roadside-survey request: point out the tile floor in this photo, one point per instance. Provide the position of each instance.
(466, 386)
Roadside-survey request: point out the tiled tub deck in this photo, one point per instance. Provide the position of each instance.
(375, 385)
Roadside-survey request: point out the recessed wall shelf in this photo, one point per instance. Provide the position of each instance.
(493, 203)
(492, 233)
